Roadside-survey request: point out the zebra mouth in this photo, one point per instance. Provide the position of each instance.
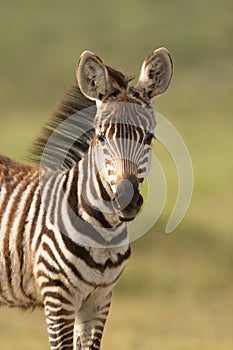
(128, 213)
(125, 219)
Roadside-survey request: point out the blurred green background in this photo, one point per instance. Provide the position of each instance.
(177, 291)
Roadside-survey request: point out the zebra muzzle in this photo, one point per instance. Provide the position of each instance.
(128, 198)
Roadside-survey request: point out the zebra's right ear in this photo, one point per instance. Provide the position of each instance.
(92, 76)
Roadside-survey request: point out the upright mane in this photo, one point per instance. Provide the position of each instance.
(67, 135)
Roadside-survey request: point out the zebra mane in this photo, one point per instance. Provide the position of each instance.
(67, 135)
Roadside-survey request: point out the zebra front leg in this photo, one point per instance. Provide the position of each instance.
(60, 318)
(90, 322)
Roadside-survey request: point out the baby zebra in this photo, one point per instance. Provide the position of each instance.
(63, 236)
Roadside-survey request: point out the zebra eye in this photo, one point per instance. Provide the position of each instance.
(115, 93)
(148, 138)
(101, 137)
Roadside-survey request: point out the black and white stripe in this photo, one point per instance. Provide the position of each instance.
(63, 239)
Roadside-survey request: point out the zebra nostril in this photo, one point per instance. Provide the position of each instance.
(138, 201)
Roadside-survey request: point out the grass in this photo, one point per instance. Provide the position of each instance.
(176, 293)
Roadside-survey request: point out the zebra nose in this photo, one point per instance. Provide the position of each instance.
(128, 197)
(124, 193)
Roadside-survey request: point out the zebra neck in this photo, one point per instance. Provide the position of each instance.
(69, 215)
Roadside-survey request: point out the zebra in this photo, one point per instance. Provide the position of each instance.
(63, 235)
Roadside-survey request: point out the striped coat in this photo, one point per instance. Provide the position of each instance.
(63, 237)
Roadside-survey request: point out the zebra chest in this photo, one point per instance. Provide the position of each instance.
(102, 267)
(64, 264)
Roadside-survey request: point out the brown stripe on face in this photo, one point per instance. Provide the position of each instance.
(110, 162)
(142, 170)
(126, 169)
(141, 134)
(109, 130)
(118, 130)
(94, 141)
(125, 131)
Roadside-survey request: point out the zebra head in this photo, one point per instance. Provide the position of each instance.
(124, 124)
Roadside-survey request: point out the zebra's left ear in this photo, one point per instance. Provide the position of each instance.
(156, 73)
(92, 76)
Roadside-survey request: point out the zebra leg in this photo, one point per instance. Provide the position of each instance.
(90, 321)
(60, 318)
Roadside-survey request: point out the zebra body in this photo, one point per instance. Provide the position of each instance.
(30, 273)
(63, 236)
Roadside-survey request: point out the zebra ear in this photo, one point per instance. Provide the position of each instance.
(92, 76)
(156, 73)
